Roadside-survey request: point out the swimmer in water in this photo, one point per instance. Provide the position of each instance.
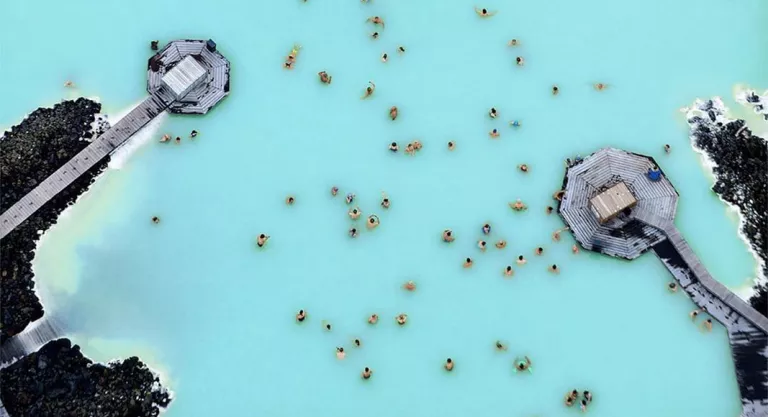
(513, 42)
(367, 372)
(384, 57)
(448, 236)
(515, 123)
(583, 406)
(155, 219)
(350, 198)
(693, 314)
(409, 286)
(357, 342)
(494, 134)
(482, 245)
(324, 77)
(484, 12)
(707, 325)
(500, 346)
(468, 263)
(375, 35)
(539, 251)
(550, 209)
(520, 61)
(385, 200)
(588, 396)
(575, 249)
(558, 195)
(523, 168)
(556, 234)
(448, 365)
(508, 271)
(376, 20)
(518, 205)
(451, 145)
(290, 200)
(571, 397)
(373, 319)
(672, 286)
(262, 240)
(166, 137)
(393, 147)
(417, 145)
(401, 319)
(521, 260)
(600, 86)
(555, 90)
(522, 365)
(501, 244)
(393, 112)
(369, 90)
(554, 269)
(486, 229)
(178, 140)
(69, 84)
(373, 222)
(354, 213)
(493, 113)
(400, 49)
(352, 232)
(334, 191)
(340, 353)
(409, 149)
(301, 315)
(667, 148)
(193, 134)
(326, 325)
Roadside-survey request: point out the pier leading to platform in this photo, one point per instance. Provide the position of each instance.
(621, 204)
(186, 77)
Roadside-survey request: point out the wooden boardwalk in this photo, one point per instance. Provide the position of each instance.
(80, 163)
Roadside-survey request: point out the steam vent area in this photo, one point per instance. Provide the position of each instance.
(621, 204)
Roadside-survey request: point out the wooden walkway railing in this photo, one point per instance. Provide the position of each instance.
(80, 163)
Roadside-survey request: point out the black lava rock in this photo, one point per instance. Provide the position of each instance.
(59, 381)
(29, 153)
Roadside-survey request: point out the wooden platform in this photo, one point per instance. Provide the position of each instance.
(80, 163)
(650, 225)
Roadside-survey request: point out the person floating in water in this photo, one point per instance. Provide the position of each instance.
(393, 112)
(326, 325)
(481, 244)
(154, 45)
(324, 77)
(357, 342)
(155, 219)
(193, 134)
(520, 61)
(373, 221)
(556, 234)
(667, 148)
(352, 232)
(555, 90)
(334, 191)
(375, 35)
(350, 198)
(178, 140)
(166, 137)
(501, 244)
(508, 271)
(290, 200)
(468, 263)
(376, 20)
(69, 83)
(539, 251)
(521, 260)
(262, 240)
(393, 147)
(290, 60)
(354, 213)
(373, 319)
(518, 205)
(400, 49)
(600, 86)
(523, 364)
(340, 353)
(487, 229)
(409, 149)
(401, 319)
(513, 42)
(301, 315)
(493, 113)
(369, 90)
(583, 405)
(707, 325)
(484, 12)
(575, 249)
(409, 286)
(494, 134)
(515, 123)
(384, 57)
(451, 145)
(367, 372)
(448, 365)
(500, 346)
(385, 203)
(523, 168)
(693, 314)
(571, 397)
(448, 236)
(554, 269)
(558, 195)
(550, 209)
(672, 286)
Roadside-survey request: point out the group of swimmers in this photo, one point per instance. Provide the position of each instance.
(573, 396)
(167, 138)
(706, 324)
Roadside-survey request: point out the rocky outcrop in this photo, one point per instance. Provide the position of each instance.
(741, 172)
(29, 153)
(59, 381)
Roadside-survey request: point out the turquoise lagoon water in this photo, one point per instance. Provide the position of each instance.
(197, 300)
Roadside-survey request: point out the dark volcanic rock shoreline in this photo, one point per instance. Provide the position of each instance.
(56, 380)
(741, 173)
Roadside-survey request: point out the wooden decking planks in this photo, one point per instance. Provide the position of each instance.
(80, 163)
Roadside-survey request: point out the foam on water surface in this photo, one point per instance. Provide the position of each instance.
(219, 312)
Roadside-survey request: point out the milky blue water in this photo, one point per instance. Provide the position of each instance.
(196, 299)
